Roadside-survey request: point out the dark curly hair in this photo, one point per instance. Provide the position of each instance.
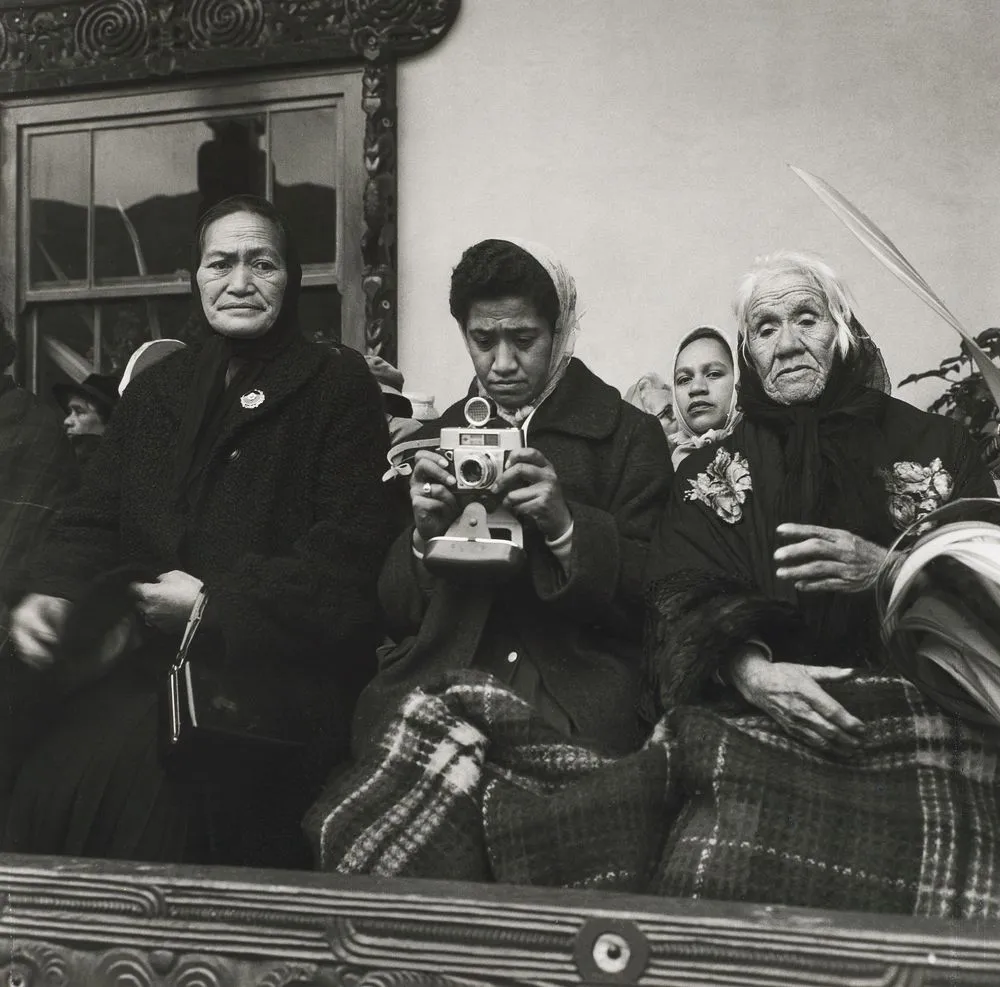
(494, 269)
(8, 346)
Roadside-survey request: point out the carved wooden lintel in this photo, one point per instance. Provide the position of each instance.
(66, 923)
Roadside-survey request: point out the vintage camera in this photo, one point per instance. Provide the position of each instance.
(478, 454)
(486, 542)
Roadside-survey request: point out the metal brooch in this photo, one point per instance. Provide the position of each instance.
(252, 399)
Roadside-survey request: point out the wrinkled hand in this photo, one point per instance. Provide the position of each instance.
(35, 625)
(431, 493)
(530, 489)
(793, 696)
(167, 603)
(821, 559)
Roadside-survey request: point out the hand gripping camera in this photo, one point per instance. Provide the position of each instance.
(486, 542)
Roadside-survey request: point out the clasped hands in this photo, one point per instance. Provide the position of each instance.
(38, 620)
(528, 487)
(814, 559)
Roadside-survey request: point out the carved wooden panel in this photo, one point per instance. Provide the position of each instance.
(66, 923)
(84, 46)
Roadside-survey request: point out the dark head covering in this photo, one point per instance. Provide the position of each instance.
(209, 399)
(101, 390)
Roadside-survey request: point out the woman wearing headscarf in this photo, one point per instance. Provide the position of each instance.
(240, 477)
(704, 375)
(588, 488)
(762, 581)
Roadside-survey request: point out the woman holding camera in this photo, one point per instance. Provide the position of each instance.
(588, 488)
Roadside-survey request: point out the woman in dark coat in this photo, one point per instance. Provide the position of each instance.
(762, 579)
(244, 476)
(589, 488)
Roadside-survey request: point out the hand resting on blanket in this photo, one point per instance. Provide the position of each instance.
(793, 696)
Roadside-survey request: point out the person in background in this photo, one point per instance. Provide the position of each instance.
(704, 376)
(398, 408)
(87, 406)
(588, 488)
(241, 477)
(652, 394)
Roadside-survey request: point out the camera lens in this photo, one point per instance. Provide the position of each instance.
(477, 471)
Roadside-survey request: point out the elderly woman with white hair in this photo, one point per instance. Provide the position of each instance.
(762, 580)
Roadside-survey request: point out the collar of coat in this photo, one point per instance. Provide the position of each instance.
(582, 405)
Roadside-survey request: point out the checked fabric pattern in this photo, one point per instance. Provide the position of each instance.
(719, 803)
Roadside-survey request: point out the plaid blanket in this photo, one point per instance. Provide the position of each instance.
(468, 784)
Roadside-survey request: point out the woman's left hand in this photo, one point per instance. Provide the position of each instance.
(821, 559)
(167, 603)
(530, 488)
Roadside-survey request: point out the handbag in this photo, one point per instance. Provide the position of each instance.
(232, 717)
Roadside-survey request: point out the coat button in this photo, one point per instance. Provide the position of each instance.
(512, 657)
(234, 455)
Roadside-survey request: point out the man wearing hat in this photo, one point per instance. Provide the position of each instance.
(88, 406)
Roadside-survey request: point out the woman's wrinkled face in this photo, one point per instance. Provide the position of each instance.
(242, 275)
(703, 383)
(790, 338)
(510, 345)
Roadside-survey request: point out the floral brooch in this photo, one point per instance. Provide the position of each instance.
(723, 486)
(915, 490)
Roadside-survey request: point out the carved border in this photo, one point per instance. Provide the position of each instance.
(66, 923)
(102, 43)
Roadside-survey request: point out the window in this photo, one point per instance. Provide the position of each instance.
(101, 194)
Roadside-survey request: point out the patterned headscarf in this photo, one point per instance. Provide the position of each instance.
(564, 332)
(685, 440)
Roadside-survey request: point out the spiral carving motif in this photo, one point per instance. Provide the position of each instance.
(3, 41)
(121, 966)
(113, 28)
(226, 23)
(199, 971)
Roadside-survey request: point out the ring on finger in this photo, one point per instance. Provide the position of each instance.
(426, 489)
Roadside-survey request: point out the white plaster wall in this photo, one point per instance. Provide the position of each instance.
(646, 141)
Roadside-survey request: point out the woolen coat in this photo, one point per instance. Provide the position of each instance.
(287, 536)
(583, 633)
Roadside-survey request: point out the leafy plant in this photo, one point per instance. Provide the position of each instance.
(967, 398)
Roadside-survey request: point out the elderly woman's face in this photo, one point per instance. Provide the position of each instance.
(790, 338)
(510, 345)
(242, 275)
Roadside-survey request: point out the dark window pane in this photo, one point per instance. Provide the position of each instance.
(163, 177)
(304, 151)
(59, 190)
(65, 345)
(126, 325)
(320, 313)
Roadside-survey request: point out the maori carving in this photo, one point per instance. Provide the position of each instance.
(48, 46)
(378, 240)
(67, 924)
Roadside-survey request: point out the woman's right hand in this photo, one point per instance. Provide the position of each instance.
(431, 486)
(35, 626)
(793, 696)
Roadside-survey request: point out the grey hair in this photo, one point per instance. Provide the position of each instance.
(812, 269)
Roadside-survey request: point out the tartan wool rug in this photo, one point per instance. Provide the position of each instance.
(468, 784)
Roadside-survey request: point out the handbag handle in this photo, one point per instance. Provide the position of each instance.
(194, 619)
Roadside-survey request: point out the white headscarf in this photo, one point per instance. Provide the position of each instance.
(564, 332)
(685, 440)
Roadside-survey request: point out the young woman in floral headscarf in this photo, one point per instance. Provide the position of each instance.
(704, 375)
(762, 578)
(588, 489)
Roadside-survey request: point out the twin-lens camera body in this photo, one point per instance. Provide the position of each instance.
(478, 455)
(486, 542)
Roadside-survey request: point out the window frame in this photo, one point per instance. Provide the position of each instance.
(185, 100)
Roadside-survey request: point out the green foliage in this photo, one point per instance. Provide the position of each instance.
(967, 398)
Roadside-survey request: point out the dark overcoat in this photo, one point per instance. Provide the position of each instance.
(288, 536)
(582, 633)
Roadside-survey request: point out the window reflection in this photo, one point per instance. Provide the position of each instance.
(304, 153)
(59, 184)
